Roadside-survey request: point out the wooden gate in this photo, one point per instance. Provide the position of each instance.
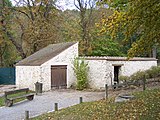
(59, 76)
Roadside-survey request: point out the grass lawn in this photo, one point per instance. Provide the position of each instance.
(14, 95)
(146, 106)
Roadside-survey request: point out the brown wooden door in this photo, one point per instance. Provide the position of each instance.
(59, 76)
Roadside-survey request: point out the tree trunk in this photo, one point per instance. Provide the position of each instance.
(154, 52)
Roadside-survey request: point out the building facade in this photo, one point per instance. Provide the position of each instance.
(53, 67)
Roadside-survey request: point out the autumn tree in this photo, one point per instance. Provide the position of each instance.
(135, 18)
(70, 28)
(85, 8)
(6, 21)
(8, 55)
(102, 43)
(34, 25)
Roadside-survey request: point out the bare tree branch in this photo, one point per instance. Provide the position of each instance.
(30, 10)
(20, 12)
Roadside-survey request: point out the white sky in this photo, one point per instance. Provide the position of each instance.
(66, 4)
(62, 4)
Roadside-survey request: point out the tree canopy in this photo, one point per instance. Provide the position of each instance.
(117, 28)
(135, 17)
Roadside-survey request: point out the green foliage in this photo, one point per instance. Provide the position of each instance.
(10, 56)
(117, 4)
(138, 75)
(139, 17)
(8, 53)
(153, 72)
(124, 78)
(81, 71)
(7, 3)
(106, 47)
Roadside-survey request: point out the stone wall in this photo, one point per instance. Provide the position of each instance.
(97, 73)
(26, 76)
(101, 71)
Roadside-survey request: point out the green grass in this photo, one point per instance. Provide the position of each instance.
(146, 106)
(13, 95)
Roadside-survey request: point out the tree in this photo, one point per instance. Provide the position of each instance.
(8, 55)
(33, 25)
(140, 18)
(85, 8)
(5, 25)
(70, 27)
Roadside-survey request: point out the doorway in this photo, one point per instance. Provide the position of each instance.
(59, 77)
(116, 73)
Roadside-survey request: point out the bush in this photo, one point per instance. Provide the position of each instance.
(138, 75)
(81, 71)
(124, 78)
(153, 72)
(150, 73)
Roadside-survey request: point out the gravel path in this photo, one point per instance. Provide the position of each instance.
(45, 103)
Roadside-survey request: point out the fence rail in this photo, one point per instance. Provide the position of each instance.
(142, 83)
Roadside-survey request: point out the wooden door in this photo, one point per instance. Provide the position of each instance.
(59, 76)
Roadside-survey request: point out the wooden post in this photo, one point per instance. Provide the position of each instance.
(5, 99)
(106, 91)
(26, 115)
(144, 83)
(56, 106)
(80, 100)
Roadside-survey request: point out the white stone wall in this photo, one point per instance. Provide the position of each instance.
(64, 58)
(101, 72)
(97, 73)
(26, 76)
(130, 67)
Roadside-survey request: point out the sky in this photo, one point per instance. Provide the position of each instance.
(66, 4)
(62, 4)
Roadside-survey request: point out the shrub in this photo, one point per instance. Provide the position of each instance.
(124, 78)
(150, 73)
(138, 75)
(81, 71)
(153, 72)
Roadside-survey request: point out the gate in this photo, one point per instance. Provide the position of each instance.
(58, 76)
(7, 76)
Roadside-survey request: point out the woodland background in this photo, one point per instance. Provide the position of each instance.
(102, 27)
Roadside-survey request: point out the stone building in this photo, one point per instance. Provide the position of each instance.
(48, 65)
(53, 66)
(106, 70)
